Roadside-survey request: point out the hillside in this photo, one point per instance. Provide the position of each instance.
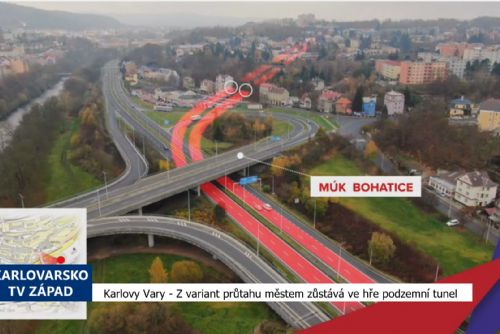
(15, 16)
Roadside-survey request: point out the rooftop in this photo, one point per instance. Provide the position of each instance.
(491, 105)
(477, 179)
(461, 100)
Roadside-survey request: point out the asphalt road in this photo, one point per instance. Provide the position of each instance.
(240, 259)
(121, 200)
(136, 166)
(290, 257)
(351, 268)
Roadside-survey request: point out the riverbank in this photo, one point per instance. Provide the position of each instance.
(11, 121)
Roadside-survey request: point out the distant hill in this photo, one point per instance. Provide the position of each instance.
(15, 16)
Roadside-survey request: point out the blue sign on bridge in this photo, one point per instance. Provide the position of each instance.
(248, 180)
(275, 138)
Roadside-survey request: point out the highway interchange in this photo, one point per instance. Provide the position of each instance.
(133, 191)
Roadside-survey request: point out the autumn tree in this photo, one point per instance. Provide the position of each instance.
(219, 212)
(163, 165)
(381, 248)
(280, 164)
(370, 149)
(157, 272)
(186, 271)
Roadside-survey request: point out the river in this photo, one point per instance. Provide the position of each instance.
(9, 125)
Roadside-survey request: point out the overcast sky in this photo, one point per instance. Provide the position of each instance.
(340, 11)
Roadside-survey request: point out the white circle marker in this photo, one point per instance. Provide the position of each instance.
(240, 155)
(233, 87)
(249, 93)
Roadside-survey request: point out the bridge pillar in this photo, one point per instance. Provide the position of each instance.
(151, 240)
(140, 211)
(198, 190)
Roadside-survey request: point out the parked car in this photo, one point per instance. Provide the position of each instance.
(267, 207)
(453, 222)
(258, 207)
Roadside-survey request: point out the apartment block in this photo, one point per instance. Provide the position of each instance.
(420, 73)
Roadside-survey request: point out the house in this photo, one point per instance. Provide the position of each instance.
(305, 102)
(293, 101)
(343, 106)
(388, 69)
(207, 86)
(369, 106)
(188, 83)
(445, 182)
(326, 101)
(395, 102)
(495, 217)
(460, 107)
(318, 84)
(221, 80)
(488, 118)
(272, 94)
(165, 75)
(475, 189)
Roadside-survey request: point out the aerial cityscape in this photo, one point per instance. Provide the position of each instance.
(190, 132)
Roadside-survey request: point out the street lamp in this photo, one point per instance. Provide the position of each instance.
(258, 238)
(105, 183)
(22, 199)
(339, 261)
(273, 185)
(189, 206)
(98, 202)
(314, 216)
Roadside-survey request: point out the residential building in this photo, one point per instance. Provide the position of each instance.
(326, 101)
(343, 106)
(18, 66)
(480, 52)
(221, 80)
(445, 182)
(188, 49)
(460, 107)
(188, 83)
(272, 94)
(394, 102)
(305, 102)
(389, 69)
(419, 73)
(449, 50)
(475, 189)
(319, 84)
(426, 57)
(455, 65)
(207, 86)
(160, 74)
(369, 106)
(488, 118)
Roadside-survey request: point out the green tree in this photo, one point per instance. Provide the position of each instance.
(381, 248)
(357, 102)
(385, 112)
(157, 272)
(271, 327)
(405, 43)
(219, 213)
(218, 134)
(186, 271)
